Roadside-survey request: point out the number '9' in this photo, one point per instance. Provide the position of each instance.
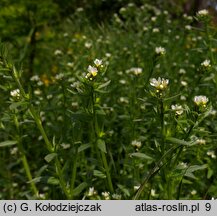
(208, 206)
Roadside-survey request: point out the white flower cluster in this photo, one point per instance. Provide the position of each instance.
(15, 93)
(201, 100)
(91, 192)
(206, 64)
(211, 154)
(137, 144)
(177, 108)
(202, 13)
(93, 71)
(58, 52)
(135, 70)
(160, 50)
(106, 195)
(160, 83)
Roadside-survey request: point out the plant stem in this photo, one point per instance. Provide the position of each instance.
(41, 128)
(162, 125)
(96, 132)
(105, 163)
(155, 170)
(28, 172)
(24, 159)
(73, 177)
(62, 181)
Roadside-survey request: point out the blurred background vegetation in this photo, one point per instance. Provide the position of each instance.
(31, 27)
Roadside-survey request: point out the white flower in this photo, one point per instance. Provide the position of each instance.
(15, 93)
(108, 55)
(80, 9)
(153, 19)
(177, 37)
(40, 83)
(182, 71)
(98, 62)
(58, 52)
(124, 100)
(206, 63)
(160, 83)
(88, 45)
(70, 64)
(202, 13)
(145, 29)
(35, 78)
(49, 96)
(155, 30)
(37, 92)
(188, 18)
(122, 81)
(201, 100)
(153, 192)
(59, 76)
(91, 192)
(106, 195)
(183, 165)
(211, 154)
(14, 150)
(116, 196)
(184, 83)
(92, 72)
(160, 50)
(136, 143)
(201, 141)
(182, 97)
(193, 192)
(137, 71)
(188, 27)
(136, 187)
(177, 108)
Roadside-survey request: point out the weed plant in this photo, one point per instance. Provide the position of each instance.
(127, 110)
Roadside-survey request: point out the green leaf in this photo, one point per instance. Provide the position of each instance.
(50, 157)
(180, 142)
(190, 175)
(101, 145)
(100, 112)
(141, 155)
(79, 188)
(82, 117)
(99, 174)
(46, 180)
(191, 169)
(172, 97)
(8, 143)
(196, 167)
(124, 190)
(209, 173)
(84, 147)
(53, 181)
(15, 105)
(104, 85)
(36, 180)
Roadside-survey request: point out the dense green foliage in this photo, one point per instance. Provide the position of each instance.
(141, 124)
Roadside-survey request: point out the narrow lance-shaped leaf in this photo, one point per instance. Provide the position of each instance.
(8, 143)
